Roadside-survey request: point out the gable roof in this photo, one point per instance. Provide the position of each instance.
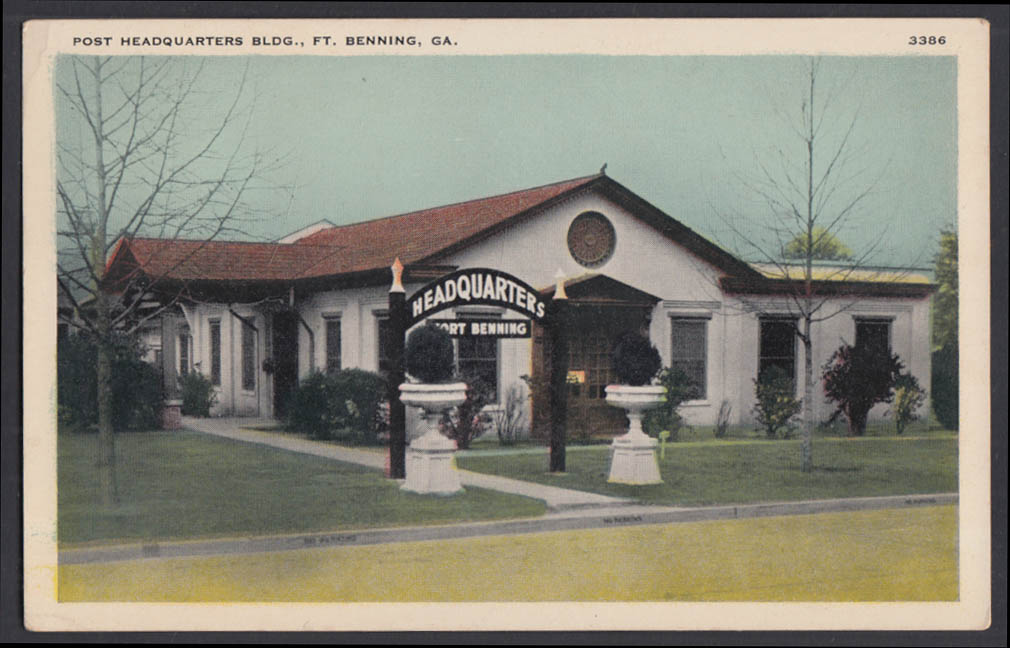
(420, 237)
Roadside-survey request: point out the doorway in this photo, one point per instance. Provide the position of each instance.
(285, 359)
(602, 310)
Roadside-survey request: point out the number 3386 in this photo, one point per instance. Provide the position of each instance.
(927, 40)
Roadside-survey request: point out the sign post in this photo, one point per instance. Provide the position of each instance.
(397, 375)
(558, 330)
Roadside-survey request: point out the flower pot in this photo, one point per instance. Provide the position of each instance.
(633, 456)
(430, 466)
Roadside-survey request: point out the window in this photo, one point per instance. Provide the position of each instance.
(778, 346)
(689, 351)
(874, 334)
(183, 354)
(248, 356)
(477, 357)
(384, 331)
(215, 352)
(332, 345)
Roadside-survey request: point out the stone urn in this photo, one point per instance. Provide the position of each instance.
(430, 468)
(633, 457)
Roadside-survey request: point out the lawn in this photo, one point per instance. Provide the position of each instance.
(886, 555)
(185, 485)
(747, 471)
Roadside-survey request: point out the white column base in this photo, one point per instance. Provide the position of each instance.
(430, 468)
(633, 460)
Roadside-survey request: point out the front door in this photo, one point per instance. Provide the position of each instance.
(285, 359)
(594, 332)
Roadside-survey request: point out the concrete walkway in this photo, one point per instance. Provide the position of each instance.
(557, 499)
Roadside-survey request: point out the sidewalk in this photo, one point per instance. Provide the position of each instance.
(557, 499)
(569, 520)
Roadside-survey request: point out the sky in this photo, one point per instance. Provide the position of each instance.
(367, 137)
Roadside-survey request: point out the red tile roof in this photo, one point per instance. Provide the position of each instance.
(413, 237)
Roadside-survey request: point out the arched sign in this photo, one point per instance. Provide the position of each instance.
(476, 287)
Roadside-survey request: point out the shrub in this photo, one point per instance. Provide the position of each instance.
(347, 403)
(677, 388)
(311, 409)
(136, 386)
(466, 422)
(944, 386)
(857, 378)
(635, 360)
(198, 394)
(776, 405)
(510, 421)
(908, 398)
(429, 354)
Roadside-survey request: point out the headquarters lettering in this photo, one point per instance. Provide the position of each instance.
(477, 287)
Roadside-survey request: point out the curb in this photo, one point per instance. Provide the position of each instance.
(568, 520)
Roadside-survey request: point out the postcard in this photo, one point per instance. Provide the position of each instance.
(506, 324)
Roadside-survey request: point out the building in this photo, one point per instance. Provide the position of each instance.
(259, 316)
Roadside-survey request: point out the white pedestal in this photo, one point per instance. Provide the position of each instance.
(633, 456)
(633, 461)
(430, 468)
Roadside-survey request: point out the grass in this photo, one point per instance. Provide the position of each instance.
(185, 485)
(885, 555)
(746, 471)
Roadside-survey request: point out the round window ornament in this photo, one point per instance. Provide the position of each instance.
(591, 239)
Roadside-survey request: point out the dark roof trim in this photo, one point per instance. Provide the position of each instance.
(601, 289)
(766, 286)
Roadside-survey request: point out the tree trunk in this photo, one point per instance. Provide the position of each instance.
(808, 398)
(106, 438)
(857, 420)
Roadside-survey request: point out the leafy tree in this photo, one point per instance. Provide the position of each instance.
(826, 246)
(140, 150)
(857, 378)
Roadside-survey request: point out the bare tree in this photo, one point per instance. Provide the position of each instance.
(141, 151)
(811, 187)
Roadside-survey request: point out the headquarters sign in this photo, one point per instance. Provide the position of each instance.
(476, 287)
